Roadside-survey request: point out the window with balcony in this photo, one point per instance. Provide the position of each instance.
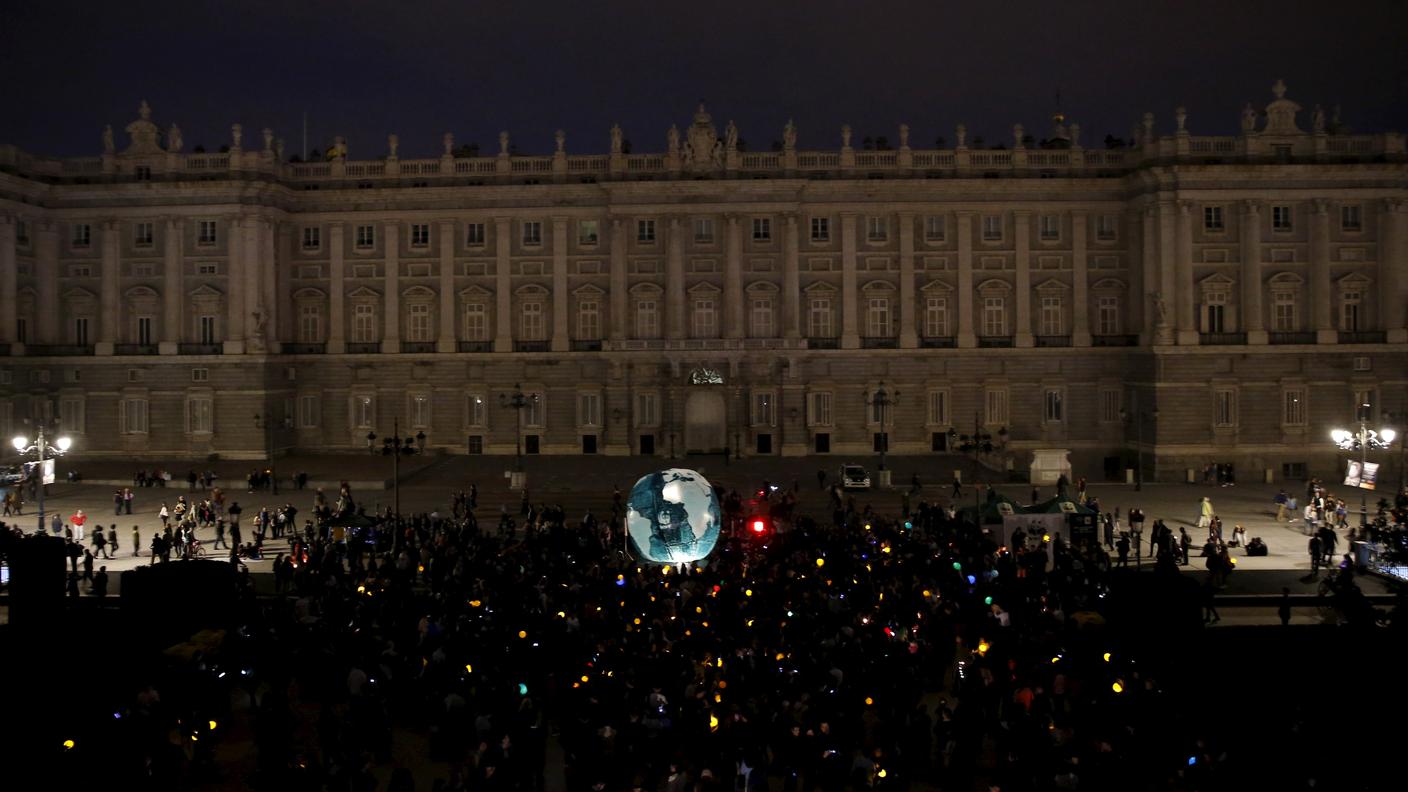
(760, 318)
(145, 330)
(1215, 312)
(419, 327)
(994, 316)
(80, 330)
(647, 319)
(531, 324)
(1053, 317)
(1285, 313)
(819, 318)
(588, 320)
(705, 323)
(1107, 316)
(1350, 301)
(877, 317)
(476, 322)
(205, 330)
(364, 324)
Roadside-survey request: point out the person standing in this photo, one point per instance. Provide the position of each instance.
(77, 521)
(1109, 531)
(957, 488)
(1281, 500)
(1317, 551)
(1284, 611)
(1185, 543)
(165, 515)
(1122, 547)
(1205, 513)
(100, 582)
(127, 499)
(220, 533)
(136, 541)
(88, 566)
(117, 501)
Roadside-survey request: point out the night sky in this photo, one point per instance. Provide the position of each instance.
(420, 68)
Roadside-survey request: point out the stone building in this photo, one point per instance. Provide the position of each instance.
(1180, 300)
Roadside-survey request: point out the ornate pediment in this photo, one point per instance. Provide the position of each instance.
(703, 287)
(935, 286)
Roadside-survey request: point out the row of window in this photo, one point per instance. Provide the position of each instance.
(143, 234)
(1283, 218)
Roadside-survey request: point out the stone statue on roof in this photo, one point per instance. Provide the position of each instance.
(789, 136)
(174, 141)
(108, 145)
(617, 139)
(144, 135)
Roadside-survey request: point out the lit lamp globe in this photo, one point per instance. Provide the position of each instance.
(673, 517)
(63, 443)
(1388, 435)
(1340, 436)
(20, 443)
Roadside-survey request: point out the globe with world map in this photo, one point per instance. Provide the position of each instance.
(673, 517)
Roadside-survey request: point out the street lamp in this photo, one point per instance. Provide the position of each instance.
(41, 446)
(1362, 441)
(1137, 417)
(880, 403)
(262, 422)
(395, 447)
(518, 400)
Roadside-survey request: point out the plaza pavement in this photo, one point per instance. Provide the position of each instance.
(582, 483)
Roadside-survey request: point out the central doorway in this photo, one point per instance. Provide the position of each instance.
(705, 422)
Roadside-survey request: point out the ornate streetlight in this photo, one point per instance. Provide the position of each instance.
(395, 447)
(518, 400)
(880, 403)
(41, 446)
(263, 422)
(1362, 441)
(1137, 417)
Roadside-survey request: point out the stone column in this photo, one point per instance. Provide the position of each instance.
(619, 289)
(251, 249)
(503, 285)
(733, 281)
(173, 277)
(1137, 302)
(1184, 288)
(909, 339)
(391, 299)
(791, 281)
(1080, 281)
(850, 337)
(9, 279)
(1321, 288)
(674, 282)
(1393, 255)
(964, 292)
(234, 281)
(337, 289)
(1022, 236)
(275, 277)
(446, 341)
(1159, 284)
(46, 272)
(560, 298)
(109, 305)
(1252, 313)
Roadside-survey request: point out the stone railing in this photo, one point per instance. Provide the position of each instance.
(847, 163)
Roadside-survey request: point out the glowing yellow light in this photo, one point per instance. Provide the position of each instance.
(687, 633)
(820, 562)
(719, 663)
(475, 603)
(584, 677)
(869, 701)
(1055, 660)
(983, 647)
(713, 722)
(652, 597)
(867, 526)
(1118, 687)
(1107, 657)
(194, 738)
(420, 568)
(576, 685)
(361, 589)
(718, 699)
(468, 668)
(636, 621)
(213, 724)
(723, 684)
(779, 657)
(747, 592)
(750, 622)
(1046, 537)
(885, 549)
(561, 615)
(698, 609)
(68, 745)
(928, 593)
(1233, 560)
(522, 633)
(704, 624)
(880, 773)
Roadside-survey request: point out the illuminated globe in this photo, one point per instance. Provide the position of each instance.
(673, 517)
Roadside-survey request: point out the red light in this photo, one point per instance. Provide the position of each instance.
(759, 526)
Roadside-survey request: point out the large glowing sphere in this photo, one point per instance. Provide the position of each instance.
(673, 517)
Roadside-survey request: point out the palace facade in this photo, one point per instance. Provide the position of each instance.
(1180, 300)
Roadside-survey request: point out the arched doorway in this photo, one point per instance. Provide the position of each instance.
(705, 422)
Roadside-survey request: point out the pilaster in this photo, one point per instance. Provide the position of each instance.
(560, 297)
(1320, 286)
(1393, 256)
(173, 277)
(337, 288)
(791, 280)
(619, 295)
(966, 339)
(850, 337)
(503, 284)
(1080, 281)
(733, 281)
(9, 279)
(674, 281)
(446, 340)
(1252, 313)
(235, 284)
(391, 297)
(909, 339)
(46, 272)
(109, 308)
(1022, 236)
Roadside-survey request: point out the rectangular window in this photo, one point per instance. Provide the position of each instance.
(80, 330)
(142, 235)
(876, 229)
(72, 414)
(22, 330)
(310, 324)
(82, 235)
(589, 409)
(1280, 218)
(589, 320)
(761, 318)
(145, 334)
(1293, 407)
(938, 408)
(532, 233)
(205, 330)
(705, 324)
(531, 324)
(647, 319)
(1215, 312)
(703, 230)
(763, 409)
(995, 404)
(312, 238)
(878, 317)
(1107, 316)
(1351, 218)
(1053, 320)
(587, 233)
(934, 230)
(1050, 228)
(200, 415)
(1110, 406)
(819, 324)
(420, 235)
(819, 409)
(1364, 403)
(647, 409)
(200, 375)
(1053, 406)
(762, 229)
(206, 233)
(207, 268)
(992, 228)
(364, 411)
(476, 411)
(134, 416)
(474, 234)
(645, 232)
(1284, 317)
(418, 327)
(1349, 310)
(533, 414)
(366, 237)
(21, 233)
(364, 330)
(994, 316)
(419, 408)
(1224, 410)
(476, 322)
(1107, 227)
(1212, 219)
(936, 317)
(821, 229)
(308, 408)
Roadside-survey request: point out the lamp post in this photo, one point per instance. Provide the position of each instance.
(880, 403)
(518, 400)
(395, 447)
(264, 422)
(1362, 441)
(1137, 418)
(41, 446)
